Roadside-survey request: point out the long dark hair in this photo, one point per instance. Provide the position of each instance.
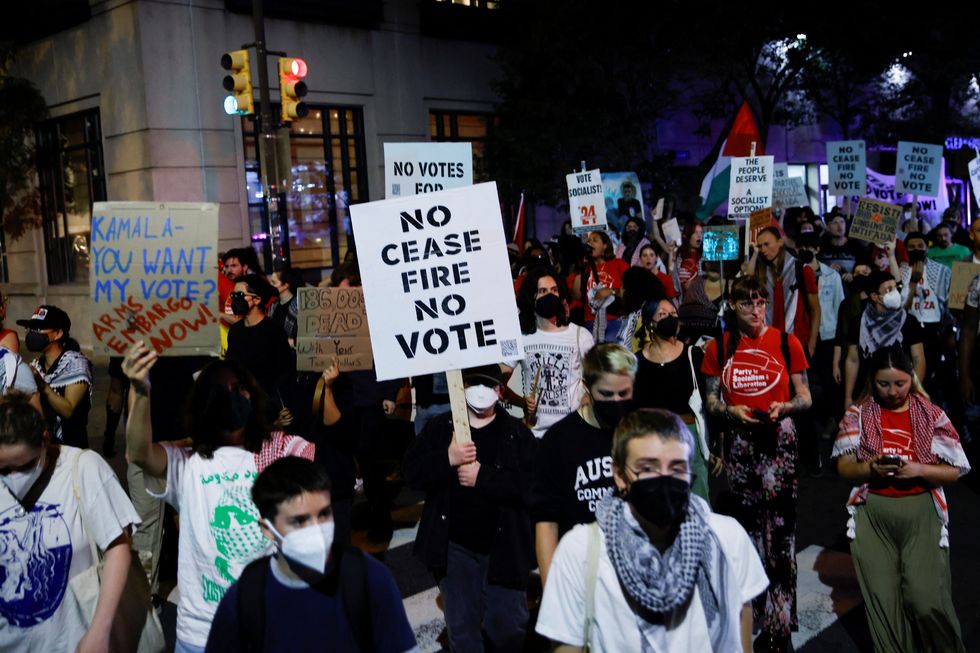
(890, 358)
(742, 289)
(686, 250)
(204, 426)
(527, 296)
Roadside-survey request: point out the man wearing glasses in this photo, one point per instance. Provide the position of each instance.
(661, 571)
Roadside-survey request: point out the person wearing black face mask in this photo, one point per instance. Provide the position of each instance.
(551, 370)
(573, 470)
(664, 568)
(669, 376)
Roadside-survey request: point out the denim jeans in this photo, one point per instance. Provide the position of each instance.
(470, 600)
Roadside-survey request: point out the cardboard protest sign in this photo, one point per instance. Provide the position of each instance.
(432, 268)
(789, 192)
(585, 201)
(918, 168)
(974, 167)
(672, 231)
(875, 222)
(846, 168)
(415, 168)
(963, 273)
(750, 188)
(621, 193)
(759, 220)
(332, 323)
(154, 277)
(721, 243)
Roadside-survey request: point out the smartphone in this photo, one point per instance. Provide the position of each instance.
(760, 414)
(890, 459)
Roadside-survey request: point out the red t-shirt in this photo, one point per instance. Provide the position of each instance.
(802, 319)
(896, 436)
(610, 276)
(688, 269)
(668, 285)
(755, 376)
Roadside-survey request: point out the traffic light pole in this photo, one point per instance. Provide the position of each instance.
(273, 196)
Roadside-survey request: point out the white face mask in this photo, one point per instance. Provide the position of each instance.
(480, 398)
(20, 482)
(308, 546)
(892, 300)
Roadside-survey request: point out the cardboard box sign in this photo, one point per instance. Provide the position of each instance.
(875, 222)
(332, 322)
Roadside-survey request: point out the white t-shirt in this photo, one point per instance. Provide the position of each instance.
(219, 529)
(615, 628)
(558, 354)
(41, 551)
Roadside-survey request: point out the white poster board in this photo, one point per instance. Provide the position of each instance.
(918, 168)
(750, 188)
(847, 168)
(789, 192)
(432, 267)
(974, 167)
(586, 203)
(154, 277)
(415, 168)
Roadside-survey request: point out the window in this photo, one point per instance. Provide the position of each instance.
(455, 126)
(71, 176)
(328, 174)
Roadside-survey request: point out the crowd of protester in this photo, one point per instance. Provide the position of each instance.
(648, 369)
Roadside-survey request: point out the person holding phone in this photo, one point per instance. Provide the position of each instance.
(749, 379)
(901, 449)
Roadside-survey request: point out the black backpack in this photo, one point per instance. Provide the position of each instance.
(352, 587)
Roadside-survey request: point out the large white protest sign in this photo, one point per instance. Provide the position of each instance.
(586, 203)
(918, 168)
(436, 282)
(882, 187)
(750, 188)
(154, 277)
(846, 165)
(974, 168)
(415, 168)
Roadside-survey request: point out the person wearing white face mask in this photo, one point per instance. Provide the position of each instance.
(475, 532)
(314, 594)
(883, 323)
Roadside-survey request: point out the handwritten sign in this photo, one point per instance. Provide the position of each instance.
(721, 243)
(585, 201)
(416, 168)
(432, 267)
(759, 220)
(875, 222)
(789, 192)
(154, 277)
(847, 167)
(750, 188)
(918, 167)
(332, 323)
(963, 273)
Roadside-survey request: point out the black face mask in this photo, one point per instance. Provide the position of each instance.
(661, 500)
(610, 412)
(239, 306)
(228, 410)
(548, 306)
(917, 256)
(667, 327)
(37, 341)
(805, 255)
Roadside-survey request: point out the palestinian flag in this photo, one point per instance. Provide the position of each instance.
(714, 188)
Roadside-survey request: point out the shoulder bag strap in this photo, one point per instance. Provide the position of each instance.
(37, 489)
(592, 574)
(354, 594)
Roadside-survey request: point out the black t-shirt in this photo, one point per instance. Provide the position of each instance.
(912, 334)
(573, 472)
(846, 255)
(666, 385)
(263, 350)
(473, 515)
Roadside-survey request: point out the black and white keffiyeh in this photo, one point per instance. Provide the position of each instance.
(880, 329)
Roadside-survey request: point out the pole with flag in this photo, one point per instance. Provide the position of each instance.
(518, 238)
(741, 138)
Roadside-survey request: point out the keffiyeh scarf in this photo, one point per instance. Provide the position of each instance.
(879, 330)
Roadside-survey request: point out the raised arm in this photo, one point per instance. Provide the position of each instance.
(140, 448)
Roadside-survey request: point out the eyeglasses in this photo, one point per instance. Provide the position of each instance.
(748, 305)
(649, 471)
(238, 294)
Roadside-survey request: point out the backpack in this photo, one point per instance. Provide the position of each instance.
(352, 588)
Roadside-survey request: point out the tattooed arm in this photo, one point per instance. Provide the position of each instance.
(799, 403)
(715, 406)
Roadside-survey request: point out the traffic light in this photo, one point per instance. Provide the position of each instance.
(292, 70)
(239, 82)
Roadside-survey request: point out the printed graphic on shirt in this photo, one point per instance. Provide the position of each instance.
(35, 556)
(756, 373)
(896, 441)
(555, 363)
(237, 537)
(588, 476)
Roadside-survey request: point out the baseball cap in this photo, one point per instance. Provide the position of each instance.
(488, 375)
(47, 316)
